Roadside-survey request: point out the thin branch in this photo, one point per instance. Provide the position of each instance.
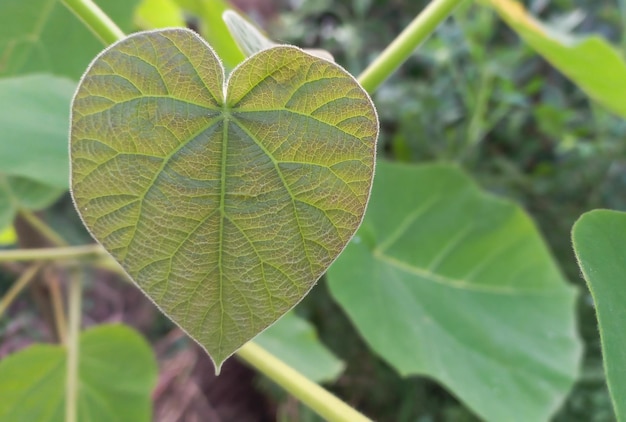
(17, 287)
(39, 225)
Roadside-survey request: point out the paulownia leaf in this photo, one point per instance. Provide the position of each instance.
(225, 202)
(599, 239)
(8, 236)
(116, 373)
(590, 62)
(446, 281)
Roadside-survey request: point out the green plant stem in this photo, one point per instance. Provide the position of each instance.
(72, 344)
(321, 401)
(403, 46)
(52, 254)
(96, 20)
(17, 287)
(39, 225)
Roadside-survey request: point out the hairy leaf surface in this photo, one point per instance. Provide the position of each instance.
(225, 202)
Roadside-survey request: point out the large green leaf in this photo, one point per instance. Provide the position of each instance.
(44, 36)
(116, 372)
(590, 62)
(294, 341)
(599, 242)
(34, 126)
(225, 211)
(446, 281)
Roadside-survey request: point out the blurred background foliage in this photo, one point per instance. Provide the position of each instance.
(477, 95)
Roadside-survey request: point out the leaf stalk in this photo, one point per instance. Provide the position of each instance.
(98, 22)
(17, 287)
(311, 394)
(72, 344)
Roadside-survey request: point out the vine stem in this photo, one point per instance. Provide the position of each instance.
(39, 225)
(72, 344)
(317, 398)
(52, 254)
(98, 22)
(403, 46)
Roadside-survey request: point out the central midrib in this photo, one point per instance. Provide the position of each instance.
(222, 208)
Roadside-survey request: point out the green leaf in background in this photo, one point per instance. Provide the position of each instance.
(117, 372)
(590, 62)
(34, 126)
(153, 14)
(225, 211)
(446, 281)
(20, 193)
(44, 36)
(294, 341)
(599, 239)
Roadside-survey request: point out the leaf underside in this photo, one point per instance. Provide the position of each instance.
(224, 208)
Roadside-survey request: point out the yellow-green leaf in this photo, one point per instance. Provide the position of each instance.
(8, 236)
(224, 201)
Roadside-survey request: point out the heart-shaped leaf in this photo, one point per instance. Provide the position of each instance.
(225, 202)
